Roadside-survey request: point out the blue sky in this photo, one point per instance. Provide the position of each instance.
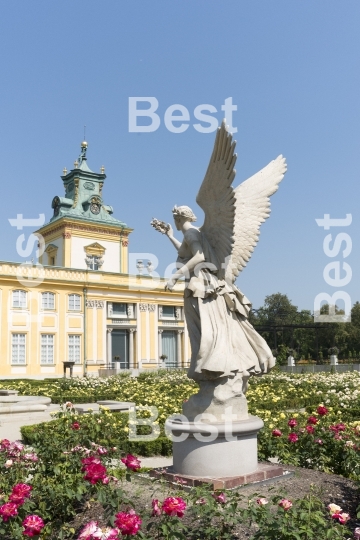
(292, 69)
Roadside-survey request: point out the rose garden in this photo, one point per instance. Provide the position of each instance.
(80, 477)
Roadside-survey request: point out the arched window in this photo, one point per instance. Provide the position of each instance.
(74, 302)
(48, 300)
(19, 299)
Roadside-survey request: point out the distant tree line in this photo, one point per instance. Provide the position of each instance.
(290, 331)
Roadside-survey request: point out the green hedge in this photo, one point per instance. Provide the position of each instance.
(51, 430)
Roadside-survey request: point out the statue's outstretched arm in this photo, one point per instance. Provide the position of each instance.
(175, 242)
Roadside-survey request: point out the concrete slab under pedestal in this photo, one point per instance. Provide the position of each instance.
(264, 472)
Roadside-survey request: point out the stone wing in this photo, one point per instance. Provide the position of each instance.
(217, 198)
(252, 207)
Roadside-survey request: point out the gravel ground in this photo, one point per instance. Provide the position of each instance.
(332, 489)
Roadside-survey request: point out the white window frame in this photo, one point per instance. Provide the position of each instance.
(21, 299)
(72, 302)
(74, 348)
(45, 297)
(47, 349)
(18, 345)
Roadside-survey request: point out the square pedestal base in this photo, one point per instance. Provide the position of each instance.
(265, 471)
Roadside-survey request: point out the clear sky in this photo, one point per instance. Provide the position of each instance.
(292, 69)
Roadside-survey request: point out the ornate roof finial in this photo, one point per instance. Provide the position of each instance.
(76, 163)
(65, 171)
(84, 146)
(102, 170)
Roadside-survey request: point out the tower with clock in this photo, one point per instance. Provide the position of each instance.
(82, 233)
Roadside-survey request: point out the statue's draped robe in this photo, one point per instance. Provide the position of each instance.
(223, 342)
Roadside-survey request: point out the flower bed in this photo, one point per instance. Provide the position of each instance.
(43, 491)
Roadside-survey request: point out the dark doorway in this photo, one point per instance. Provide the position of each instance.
(120, 349)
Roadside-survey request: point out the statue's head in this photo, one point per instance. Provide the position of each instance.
(182, 214)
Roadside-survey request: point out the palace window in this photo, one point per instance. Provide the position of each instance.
(18, 348)
(120, 310)
(19, 299)
(48, 300)
(47, 349)
(94, 262)
(74, 302)
(74, 349)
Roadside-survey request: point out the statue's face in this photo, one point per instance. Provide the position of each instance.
(179, 220)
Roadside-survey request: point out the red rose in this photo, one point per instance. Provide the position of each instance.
(131, 462)
(293, 438)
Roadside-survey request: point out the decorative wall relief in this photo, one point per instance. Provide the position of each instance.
(98, 304)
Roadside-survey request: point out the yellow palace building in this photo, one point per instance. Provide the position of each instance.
(79, 304)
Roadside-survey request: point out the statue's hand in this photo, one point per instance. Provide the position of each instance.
(169, 231)
(170, 285)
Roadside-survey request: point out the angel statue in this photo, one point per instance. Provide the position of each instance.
(226, 349)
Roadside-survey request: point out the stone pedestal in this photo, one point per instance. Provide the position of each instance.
(215, 450)
(334, 360)
(291, 361)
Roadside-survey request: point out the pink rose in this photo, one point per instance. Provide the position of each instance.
(174, 506)
(88, 530)
(20, 492)
(95, 472)
(312, 420)
(89, 461)
(276, 433)
(292, 422)
(131, 462)
(310, 429)
(318, 441)
(262, 501)
(342, 518)
(156, 508)
(8, 510)
(220, 498)
(293, 438)
(31, 457)
(75, 426)
(285, 504)
(33, 525)
(4, 443)
(128, 522)
(322, 411)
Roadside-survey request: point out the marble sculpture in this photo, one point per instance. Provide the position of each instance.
(226, 349)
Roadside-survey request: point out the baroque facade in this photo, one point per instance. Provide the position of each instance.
(80, 304)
